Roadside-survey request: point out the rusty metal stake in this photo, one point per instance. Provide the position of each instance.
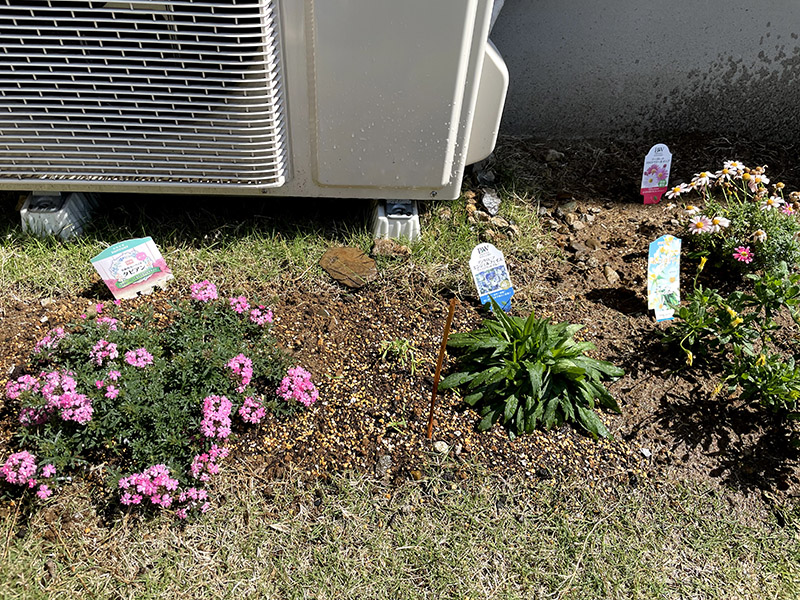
(445, 335)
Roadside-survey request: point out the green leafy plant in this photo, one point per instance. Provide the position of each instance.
(401, 351)
(736, 334)
(530, 372)
(155, 395)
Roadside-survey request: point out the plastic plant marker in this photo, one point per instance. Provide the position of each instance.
(663, 276)
(490, 273)
(132, 267)
(655, 174)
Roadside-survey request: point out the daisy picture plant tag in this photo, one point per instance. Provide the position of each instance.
(655, 175)
(663, 276)
(490, 273)
(132, 267)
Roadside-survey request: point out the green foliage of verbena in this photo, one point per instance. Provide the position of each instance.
(155, 418)
(531, 372)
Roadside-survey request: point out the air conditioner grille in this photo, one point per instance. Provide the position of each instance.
(152, 92)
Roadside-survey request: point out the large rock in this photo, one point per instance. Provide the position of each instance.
(349, 266)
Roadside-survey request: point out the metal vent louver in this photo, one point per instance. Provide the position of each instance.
(151, 93)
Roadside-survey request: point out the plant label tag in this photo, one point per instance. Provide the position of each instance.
(490, 273)
(663, 276)
(655, 175)
(132, 267)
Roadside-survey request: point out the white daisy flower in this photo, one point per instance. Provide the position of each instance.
(692, 210)
(718, 223)
(772, 202)
(702, 179)
(677, 190)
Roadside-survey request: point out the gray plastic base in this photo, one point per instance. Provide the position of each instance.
(61, 214)
(396, 219)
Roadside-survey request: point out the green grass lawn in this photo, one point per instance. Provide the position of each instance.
(484, 537)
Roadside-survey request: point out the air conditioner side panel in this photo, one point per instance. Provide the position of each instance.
(391, 82)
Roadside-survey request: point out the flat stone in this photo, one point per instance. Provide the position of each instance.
(389, 247)
(349, 266)
(499, 222)
(611, 275)
(481, 216)
(592, 262)
(491, 201)
(589, 218)
(577, 226)
(570, 218)
(486, 177)
(382, 466)
(553, 156)
(441, 447)
(593, 244)
(566, 207)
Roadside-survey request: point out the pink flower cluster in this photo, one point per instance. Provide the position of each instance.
(239, 304)
(20, 469)
(192, 497)
(110, 322)
(205, 465)
(297, 385)
(261, 316)
(103, 350)
(139, 358)
(50, 341)
(242, 366)
(216, 417)
(26, 383)
(112, 391)
(153, 483)
(58, 393)
(204, 291)
(252, 411)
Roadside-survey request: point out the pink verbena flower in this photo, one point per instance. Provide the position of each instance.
(110, 322)
(75, 407)
(153, 483)
(19, 468)
(111, 392)
(252, 411)
(239, 304)
(261, 316)
(205, 465)
(113, 375)
(26, 383)
(204, 291)
(297, 385)
(242, 366)
(50, 341)
(44, 492)
(216, 417)
(103, 350)
(139, 358)
(48, 471)
(743, 254)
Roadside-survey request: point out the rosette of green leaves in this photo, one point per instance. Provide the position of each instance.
(527, 373)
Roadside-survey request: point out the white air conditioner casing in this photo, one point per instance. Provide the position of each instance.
(327, 98)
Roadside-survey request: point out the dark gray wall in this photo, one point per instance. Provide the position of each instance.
(626, 66)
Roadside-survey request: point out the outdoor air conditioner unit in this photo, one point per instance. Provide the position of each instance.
(385, 99)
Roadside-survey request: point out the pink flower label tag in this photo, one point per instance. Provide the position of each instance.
(655, 175)
(132, 267)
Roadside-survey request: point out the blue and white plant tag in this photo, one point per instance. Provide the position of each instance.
(663, 276)
(490, 273)
(132, 267)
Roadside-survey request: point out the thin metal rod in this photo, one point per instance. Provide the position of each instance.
(445, 335)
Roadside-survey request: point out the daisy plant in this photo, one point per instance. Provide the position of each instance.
(737, 217)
